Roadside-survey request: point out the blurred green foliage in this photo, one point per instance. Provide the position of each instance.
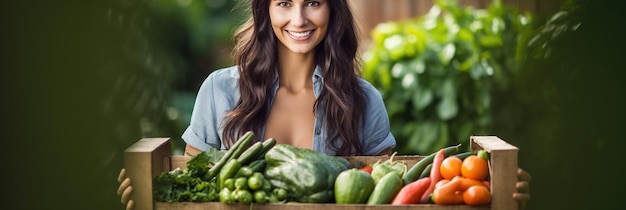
(565, 110)
(83, 80)
(173, 45)
(437, 72)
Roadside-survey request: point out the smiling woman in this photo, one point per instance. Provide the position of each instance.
(299, 25)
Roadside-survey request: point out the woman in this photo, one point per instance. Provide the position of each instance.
(293, 84)
(296, 80)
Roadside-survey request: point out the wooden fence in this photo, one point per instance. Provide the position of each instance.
(369, 13)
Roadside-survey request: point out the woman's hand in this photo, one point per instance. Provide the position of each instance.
(523, 188)
(125, 190)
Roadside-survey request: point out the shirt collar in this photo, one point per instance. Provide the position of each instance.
(318, 81)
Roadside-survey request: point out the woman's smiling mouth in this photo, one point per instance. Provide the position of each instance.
(300, 36)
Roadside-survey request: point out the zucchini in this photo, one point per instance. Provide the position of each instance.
(230, 169)
(386, 189)
(416, 170)
(232, 153)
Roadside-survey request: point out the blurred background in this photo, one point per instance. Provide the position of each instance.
(83, 80)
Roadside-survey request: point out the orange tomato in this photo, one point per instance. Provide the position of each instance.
(451, 167)
(474, 167)
(477, 195)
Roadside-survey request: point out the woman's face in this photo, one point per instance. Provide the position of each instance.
(299, 25)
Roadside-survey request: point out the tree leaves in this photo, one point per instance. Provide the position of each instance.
(437, 72)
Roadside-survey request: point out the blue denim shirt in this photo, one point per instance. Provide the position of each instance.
(219, 93)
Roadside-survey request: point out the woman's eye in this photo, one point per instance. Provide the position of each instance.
(312, 4)
(283, 4)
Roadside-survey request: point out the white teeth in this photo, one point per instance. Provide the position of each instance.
(300, 34)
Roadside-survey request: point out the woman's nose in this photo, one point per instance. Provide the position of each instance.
(299, 18)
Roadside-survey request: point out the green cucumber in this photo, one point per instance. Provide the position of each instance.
(267, 145)
(416, 170)
(465, 154)
(386, 189)
(258, 165)
(426, 171)
(251, 152)
(232, 153)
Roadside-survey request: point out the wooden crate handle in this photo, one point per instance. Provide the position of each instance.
(144, 160)
(503, 169)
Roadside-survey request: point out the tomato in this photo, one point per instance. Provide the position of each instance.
(477, 195)
(451, 167)
(367, 168)
(474, 167)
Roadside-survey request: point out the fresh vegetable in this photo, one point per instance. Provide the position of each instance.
(475, 167)
(251, 152)
(257, 165)
(188, 185)
(463, 155)
(244, 196)
(435, 175)
(416, 170)
(228, 171)
(267, 145)
(411, 193)
(353, 186)
(483, 154)
(477, 195)
(241, 183)
(467, 182)
(426, 171)
(307, 176)
(451, 167)
(255, 182)
(451, 192)
(244, 171)
(267, 187)
(198, 165)
(226, 196)
(380, 169)
(233, 153)
(180, 185)
(367, 168)
(260, 196)
(386, 189)
(448, 193)
(441, 183)
(229, 183)
(281, 194)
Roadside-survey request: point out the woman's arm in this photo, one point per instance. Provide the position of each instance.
(191, 151)
(387, 151)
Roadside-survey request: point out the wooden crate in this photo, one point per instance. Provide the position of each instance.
(150, 157)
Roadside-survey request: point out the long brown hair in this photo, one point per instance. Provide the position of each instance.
(342, 99)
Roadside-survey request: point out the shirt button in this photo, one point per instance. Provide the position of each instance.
(317, 132)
